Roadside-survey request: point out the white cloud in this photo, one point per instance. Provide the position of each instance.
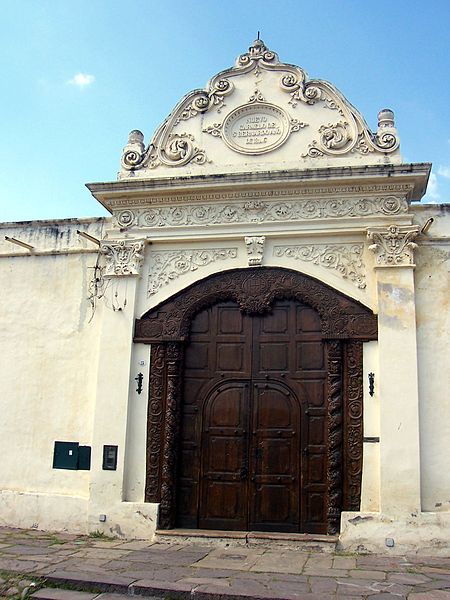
(432, 189)
(444, 172)
(81, 80)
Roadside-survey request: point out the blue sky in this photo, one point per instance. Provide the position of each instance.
(78, 75)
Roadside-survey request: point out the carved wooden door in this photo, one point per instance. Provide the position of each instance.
(253, 445)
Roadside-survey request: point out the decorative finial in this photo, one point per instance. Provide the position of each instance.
(257, 52)
(258, 36)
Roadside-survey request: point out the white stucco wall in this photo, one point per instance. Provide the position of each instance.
(68, 377)
(433, 335)
(49, 356)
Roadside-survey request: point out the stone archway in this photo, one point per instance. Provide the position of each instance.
(345, 325)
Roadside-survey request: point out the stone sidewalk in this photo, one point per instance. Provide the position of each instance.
(170, 570)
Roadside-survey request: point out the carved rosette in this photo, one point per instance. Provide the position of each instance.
(393, 245)
(335, 437)
(123, 257)
(346, 260)
(168, 265)
(255, 249)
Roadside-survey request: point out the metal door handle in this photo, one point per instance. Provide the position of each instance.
(243, 473)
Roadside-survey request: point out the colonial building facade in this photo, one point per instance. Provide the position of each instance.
(255, 340)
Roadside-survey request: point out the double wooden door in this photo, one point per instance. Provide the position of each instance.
(253, 431)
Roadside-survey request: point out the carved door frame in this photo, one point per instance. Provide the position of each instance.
(346, 324)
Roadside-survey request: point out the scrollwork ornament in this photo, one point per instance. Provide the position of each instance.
(168, 265)
(180, 150)
(256, 97)
(387, 141)
(131, 159)
(215, 129)
(268, 210)
(257, 52)
(296, 125)
(346, 260)
(205, 100)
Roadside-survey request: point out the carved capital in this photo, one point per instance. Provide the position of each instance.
(255, 249)
(393, 246)
(123, 257)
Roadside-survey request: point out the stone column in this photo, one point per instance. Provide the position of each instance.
(124, 260)
(397, 379)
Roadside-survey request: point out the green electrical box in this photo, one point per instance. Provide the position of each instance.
(70, 455)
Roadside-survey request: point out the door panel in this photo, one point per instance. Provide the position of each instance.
(275, 453)
(253, 445)
(223, 498)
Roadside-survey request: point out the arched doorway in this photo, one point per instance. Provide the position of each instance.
(255, 407)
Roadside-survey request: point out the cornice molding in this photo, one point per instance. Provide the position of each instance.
(412, 179)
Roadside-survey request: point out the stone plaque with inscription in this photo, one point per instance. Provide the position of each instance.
(255, 129)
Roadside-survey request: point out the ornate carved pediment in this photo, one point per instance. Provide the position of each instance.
(257, 113)
(255, 290)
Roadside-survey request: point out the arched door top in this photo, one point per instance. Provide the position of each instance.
(255, 290)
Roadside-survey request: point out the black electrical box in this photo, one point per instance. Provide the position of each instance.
(110, 458)
(70, 455)
(84, 458)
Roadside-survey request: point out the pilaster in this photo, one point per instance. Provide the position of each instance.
(123, 261)
(397, 377)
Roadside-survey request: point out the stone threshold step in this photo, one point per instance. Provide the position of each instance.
(63, 594)
(248, 538)
(151, 590)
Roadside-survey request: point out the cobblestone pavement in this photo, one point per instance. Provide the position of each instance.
(194, 571)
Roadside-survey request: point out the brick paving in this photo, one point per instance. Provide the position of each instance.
(112, 569)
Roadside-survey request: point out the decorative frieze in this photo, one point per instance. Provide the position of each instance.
(123, 257)
(260, 210)
(167, 265)
(255, 249)
(393, 245)
(345, 259)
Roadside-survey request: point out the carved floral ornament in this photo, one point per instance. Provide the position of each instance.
(168, 265)
(123, 257)
(394, 245)
(259, 126)
(226, 209)
(344, 259)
